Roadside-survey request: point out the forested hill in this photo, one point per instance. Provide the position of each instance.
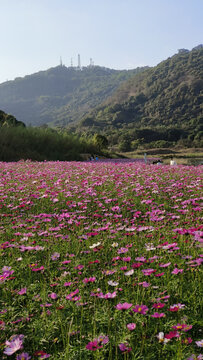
(60, 95)
(8, 121)
(167, 95)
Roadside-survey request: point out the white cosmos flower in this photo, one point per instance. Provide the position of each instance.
(113, 283)
(129, 273)
(94, 245)
(115, 244)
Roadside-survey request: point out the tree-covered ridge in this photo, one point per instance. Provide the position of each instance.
(169, 94)
(60, 95)
(7, 120)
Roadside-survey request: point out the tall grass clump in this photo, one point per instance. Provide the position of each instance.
(41, 144)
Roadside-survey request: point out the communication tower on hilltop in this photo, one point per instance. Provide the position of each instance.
(61, 64)
(79, 62)
(91, 62)
(71, 62)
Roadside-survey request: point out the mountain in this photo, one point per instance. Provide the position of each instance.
(60, 95)
(167, 95)
(7, 120)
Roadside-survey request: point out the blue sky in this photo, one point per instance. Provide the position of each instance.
(119, 34)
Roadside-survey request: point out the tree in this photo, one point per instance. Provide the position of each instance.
(100, 141)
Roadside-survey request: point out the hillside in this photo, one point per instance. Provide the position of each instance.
(60, 95)
(8, 121)
(168, 95)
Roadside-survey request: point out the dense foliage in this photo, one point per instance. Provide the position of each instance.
(43, 144)
(100, 261)
(166, 97)
(60, 95)
(7, 120)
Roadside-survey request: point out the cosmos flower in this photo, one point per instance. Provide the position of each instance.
(15, 344)
(55, 256)
(22, 291)
(23, 356)
(124, 306)
(124, 347)
(199, 343)
(158, 315)
(141, 309)
(131, 326)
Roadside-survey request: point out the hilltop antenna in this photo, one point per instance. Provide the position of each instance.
(61, 64)
(79, 63)
(71, 62)
(91, 62)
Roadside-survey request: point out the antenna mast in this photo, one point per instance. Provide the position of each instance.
(79, 63)
(61, 64)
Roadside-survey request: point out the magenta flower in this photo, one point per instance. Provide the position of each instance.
(177, 271)
(108, 295)
(158, 305)
(53, 296)
(141, 309)
(93, 345)
(124, 347)
(22, 291)
(131, 326)
(172, 334)
(97, 343)
(124, 306)
(176, 307)
(148, 272)
(158, 315)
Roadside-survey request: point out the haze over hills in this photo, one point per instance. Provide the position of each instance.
(60, 95)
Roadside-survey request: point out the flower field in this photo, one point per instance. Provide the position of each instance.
(100, 260)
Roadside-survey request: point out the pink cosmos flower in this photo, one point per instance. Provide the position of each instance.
(97, 343)
(124, 347)
(199, 343)
(172, 334)
(176, 307)
(93, 345)
(177, 271)
(158, 315)
(38, 269)
(23, 356)
(15, 344)
(124, 306)
(122, 250)
(53, 296)
(141, 309)
(147, 272)
(158, 305)
(144, 284)
(22, 291)
(165, 265)
(55, 256)
(90, 279)
(107, 296)
(131, 326)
